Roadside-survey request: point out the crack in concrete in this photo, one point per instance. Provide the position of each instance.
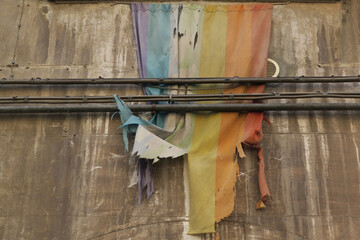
(17, 40)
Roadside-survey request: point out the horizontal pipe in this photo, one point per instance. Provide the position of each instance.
(183, 107)
(177, 97)
(183, 81)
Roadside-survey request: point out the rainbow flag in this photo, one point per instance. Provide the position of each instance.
(188, 40)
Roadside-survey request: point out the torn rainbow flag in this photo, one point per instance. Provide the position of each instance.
(188, 40)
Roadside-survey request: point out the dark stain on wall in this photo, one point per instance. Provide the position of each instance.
(43, 34)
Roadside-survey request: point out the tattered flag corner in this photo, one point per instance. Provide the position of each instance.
(149, 146)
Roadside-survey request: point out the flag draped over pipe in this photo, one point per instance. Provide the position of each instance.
(188, 40)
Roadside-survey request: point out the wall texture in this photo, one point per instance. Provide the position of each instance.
(66, 176)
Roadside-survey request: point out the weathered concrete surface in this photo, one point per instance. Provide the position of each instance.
(66, 176)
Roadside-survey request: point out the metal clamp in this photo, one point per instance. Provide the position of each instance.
(171, 101)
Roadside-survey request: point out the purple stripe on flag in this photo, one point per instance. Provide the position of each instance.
(140, 17)
(145, 179)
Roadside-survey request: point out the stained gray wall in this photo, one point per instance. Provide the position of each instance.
(65, 176)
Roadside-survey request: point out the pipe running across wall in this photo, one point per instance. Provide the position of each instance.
(238, 107)
(77, 103)
(176, 97)
(182, 81)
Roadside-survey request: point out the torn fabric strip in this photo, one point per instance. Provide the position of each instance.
(150, 146)
(188, 40)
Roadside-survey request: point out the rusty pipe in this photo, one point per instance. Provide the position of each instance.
(183, 107)
(183, 81)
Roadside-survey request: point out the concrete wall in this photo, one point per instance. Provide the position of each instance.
(65, 176)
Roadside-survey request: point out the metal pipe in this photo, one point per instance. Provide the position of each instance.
(184, 108)
(176, 98)
(183, 81)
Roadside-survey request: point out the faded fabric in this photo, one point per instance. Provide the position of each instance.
(145, 179)
(187, 40)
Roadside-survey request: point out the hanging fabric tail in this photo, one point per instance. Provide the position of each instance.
(145, 178)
